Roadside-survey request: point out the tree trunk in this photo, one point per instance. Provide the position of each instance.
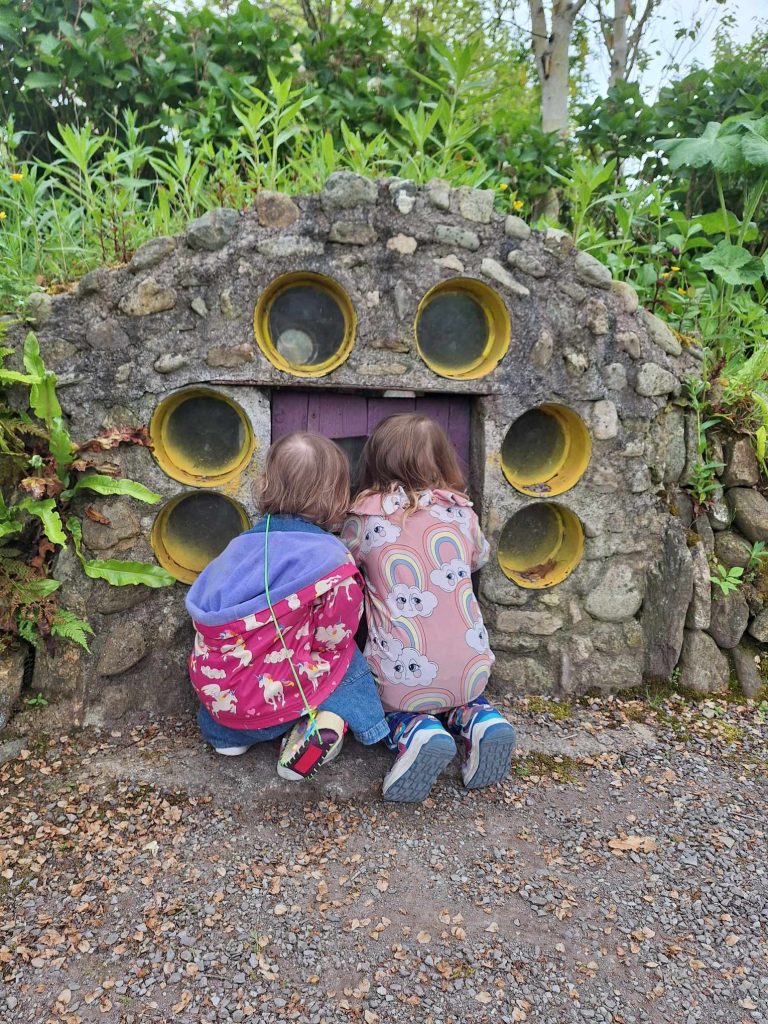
(550, 47)
(620, 42)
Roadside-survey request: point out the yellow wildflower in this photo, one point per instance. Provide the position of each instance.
(518, 204)
(2, 214)
(17, 177)
(674, 269)
(664, 277)
(681, 290)
(503, 186)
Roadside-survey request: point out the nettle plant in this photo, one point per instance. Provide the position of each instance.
(44, 470)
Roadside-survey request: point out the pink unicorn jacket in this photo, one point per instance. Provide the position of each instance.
(427, 643)
(238, 667)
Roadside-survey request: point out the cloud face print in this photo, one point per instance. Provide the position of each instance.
(408, 602)
(455, 515)
(410, 669)
(378, 531)
(383, 644)
(477, 636)
(450, 574)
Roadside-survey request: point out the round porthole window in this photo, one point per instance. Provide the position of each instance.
(546, 450)
(541, 545)
(192, 529)
(305, 324)
(462, 329)
(201, 437)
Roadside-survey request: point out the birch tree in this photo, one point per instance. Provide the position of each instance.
(622, 32)
(551, 48)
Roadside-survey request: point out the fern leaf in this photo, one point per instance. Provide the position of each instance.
(68, 626)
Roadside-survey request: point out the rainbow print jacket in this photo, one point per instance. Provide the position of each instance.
(427, 643)
(238, 666)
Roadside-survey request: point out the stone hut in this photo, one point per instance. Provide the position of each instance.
(328, 312)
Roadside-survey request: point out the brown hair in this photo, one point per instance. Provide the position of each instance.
(305, 475)
(411, 451)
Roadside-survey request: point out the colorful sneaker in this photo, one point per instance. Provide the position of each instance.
(488, 740)
(232, 751)
(424, 748)
(306, 748)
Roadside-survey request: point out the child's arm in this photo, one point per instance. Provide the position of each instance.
(352, 536)
(481, 549)
(338, 615)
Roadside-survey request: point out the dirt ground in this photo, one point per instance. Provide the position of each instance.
(619, 875)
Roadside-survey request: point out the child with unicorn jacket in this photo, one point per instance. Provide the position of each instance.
(417, 539)
(275, 617)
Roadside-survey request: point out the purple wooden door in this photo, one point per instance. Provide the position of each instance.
(349, 419)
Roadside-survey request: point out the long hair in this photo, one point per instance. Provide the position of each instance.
(305, 475)
(411, 451)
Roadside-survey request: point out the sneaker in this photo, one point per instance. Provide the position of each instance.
(489, 742)
(308, 747)
(423, 750)
(232, 751)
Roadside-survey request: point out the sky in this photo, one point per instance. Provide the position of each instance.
(747, 14)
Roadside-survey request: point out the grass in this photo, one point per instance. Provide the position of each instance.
(559, 710)
(560, 766)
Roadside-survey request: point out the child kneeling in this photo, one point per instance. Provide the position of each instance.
(417, 539)
(275, 618)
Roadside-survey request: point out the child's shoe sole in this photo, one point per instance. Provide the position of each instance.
(415, 772)
(489, 760)
(315, 749)
(232, 751)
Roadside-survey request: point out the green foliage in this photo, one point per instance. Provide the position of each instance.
(727, 580)
(37, 701)
(44, 474)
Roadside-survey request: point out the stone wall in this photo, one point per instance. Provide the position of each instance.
(181, 313)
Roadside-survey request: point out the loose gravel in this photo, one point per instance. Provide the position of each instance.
(620, 875)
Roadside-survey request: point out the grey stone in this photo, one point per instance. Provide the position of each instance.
(450, 262)
(404, 201)
(605, 420)
(344, 189)
(615, 376)
(731, 549)
(275, 210)
(702, 527)
(120, 530)
(576, 363)
(617, 596)
(668, 592)
(197, 305)
(151, 253)
(13, 659)
(494, 270)
(439, 193)
(591, 271)
(626, 294)
(515, 227)
(750, 512)
(653, 381)
(543, 348)
(404, 244)
(109, 600)
(703, 666)
(286, 246)
(38, 309)
(170, 362)
(699, 610)
(123, 647)
(11, 749)
(123, 373)
(230, 355)
(213, 230)
(517, 620)
(729, 618)
(660, 333)
(149, 296)
(93, 282)
(403, 299)
(572, 289)
(596, 317)
(475, 204)
(741, 468)
(352, 233)
(557, 241)
(758, 627)
(448, 234)
(106, 335)
(526, 263)
(629, 342)
(719, 513)
(672, 426)
(526, 675)
(745, 667)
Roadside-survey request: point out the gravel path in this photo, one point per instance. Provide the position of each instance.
(619, 876)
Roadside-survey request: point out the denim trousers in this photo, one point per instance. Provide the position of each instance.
(355, 699)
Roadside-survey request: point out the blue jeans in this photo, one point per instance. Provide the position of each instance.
(355, 699)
